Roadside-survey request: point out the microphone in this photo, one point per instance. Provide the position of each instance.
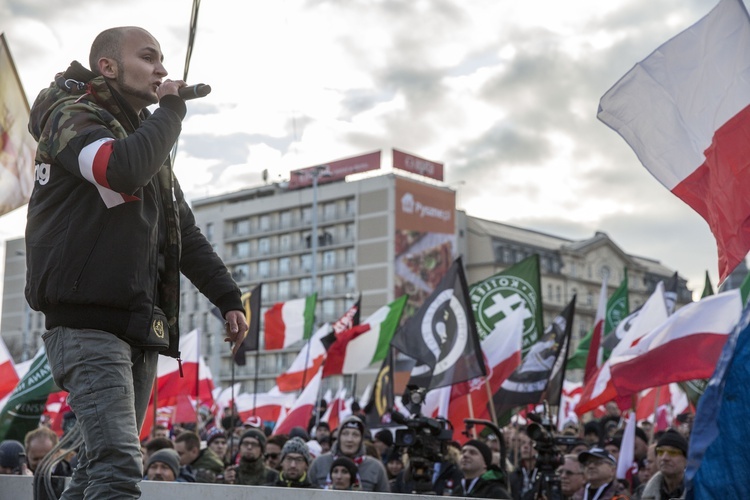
(194, 91)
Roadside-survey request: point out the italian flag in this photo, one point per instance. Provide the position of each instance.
(365, 344)
(287, 323)
(684, 110)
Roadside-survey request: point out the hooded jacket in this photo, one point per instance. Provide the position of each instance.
(491, 484)
(372, 473)
(108, 229)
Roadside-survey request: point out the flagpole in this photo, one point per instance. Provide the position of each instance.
(156, 400)
(255, 382)
(656, 405)
(471, 416)
(198, 384)
(490, 401)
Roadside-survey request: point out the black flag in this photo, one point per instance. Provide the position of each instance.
(543, 366)
(251, 304)
(442, 334)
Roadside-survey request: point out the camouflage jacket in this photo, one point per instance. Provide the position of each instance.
(108, 229)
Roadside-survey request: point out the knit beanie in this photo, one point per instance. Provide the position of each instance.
(296, 445)
(349, 464)
(385, 437)
(353, 422)
(483, 449)
(675, 440)
(255, 434)
(213, 434)
(168, 457)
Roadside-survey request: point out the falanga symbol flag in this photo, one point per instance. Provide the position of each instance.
(26, 403)
(519, 286)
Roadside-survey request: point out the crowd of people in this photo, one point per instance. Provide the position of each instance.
(356, 458)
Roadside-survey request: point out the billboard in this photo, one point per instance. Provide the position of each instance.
(334, 171)
(425, 239)
(417, 165)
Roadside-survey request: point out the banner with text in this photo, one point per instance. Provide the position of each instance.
(334, 171)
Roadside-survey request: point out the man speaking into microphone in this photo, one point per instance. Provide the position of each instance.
(107, 236)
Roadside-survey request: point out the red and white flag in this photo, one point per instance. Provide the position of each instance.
(8, 376)
(502, 351)
(306, 364)
(302, 409)
(571, 395)
(599, 389)
(266, 406)
(594, 358)
(685, 347)
(194, 380)
(337, 410)
(684, 111)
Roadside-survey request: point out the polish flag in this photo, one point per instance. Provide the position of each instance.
(306, 364)
(599, 389)
(684, 111)
(299, 414)
(8, 376)
(594, 358)
(571, 395)
(193, 380)
(267, 406)
(337, 409)
(685, 347)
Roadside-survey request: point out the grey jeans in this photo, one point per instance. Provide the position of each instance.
(110, 385)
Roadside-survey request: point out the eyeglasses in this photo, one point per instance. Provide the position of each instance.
(565, 472)
(272, 456)
(672, 452)
(298, 460)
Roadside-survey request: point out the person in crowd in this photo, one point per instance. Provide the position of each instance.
(612, 446)
(203, 463)
(325, 444)
(350, 444)
(671, 455)
(321, 411)
(300, 433)
(383, 441)
(272, 456)
(295, 459)
(522, 478)
(394, 467)
(216, 441)
(154, 445)
(252, 469)
(322, 430)
(599, 469)
(13, 458)
(164, 465)
(592, 433)
(108, 207)
(481, 478)
(38, 443)
(571, 477)
(344, 475)
(159, 431)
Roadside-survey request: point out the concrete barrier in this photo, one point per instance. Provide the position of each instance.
(21, 488)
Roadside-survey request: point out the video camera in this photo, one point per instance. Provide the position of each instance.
(425, 439)
(549, 457)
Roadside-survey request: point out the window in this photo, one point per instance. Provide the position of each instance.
(305, 262)
(210, 231)
(241, 272)
(241, 227)
(283, 290)
(350, 206)
(349, 232)
(329, 284)
(285, 265)
(329, 211)
(558, 294)
(329, 259)
(265, 222)
(351, 282)
(329, 309)
(307, 215)
(264, 269)
(285, 242)
(350, 259)
(285, 218)
(241, 250)
(305, 286)
(573, 269)
(264, 246)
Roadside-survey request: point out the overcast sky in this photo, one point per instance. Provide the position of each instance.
(504, 93)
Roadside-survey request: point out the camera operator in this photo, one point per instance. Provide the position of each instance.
(522, 478)
(482, 479)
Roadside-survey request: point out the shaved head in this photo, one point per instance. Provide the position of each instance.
(108, 44)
